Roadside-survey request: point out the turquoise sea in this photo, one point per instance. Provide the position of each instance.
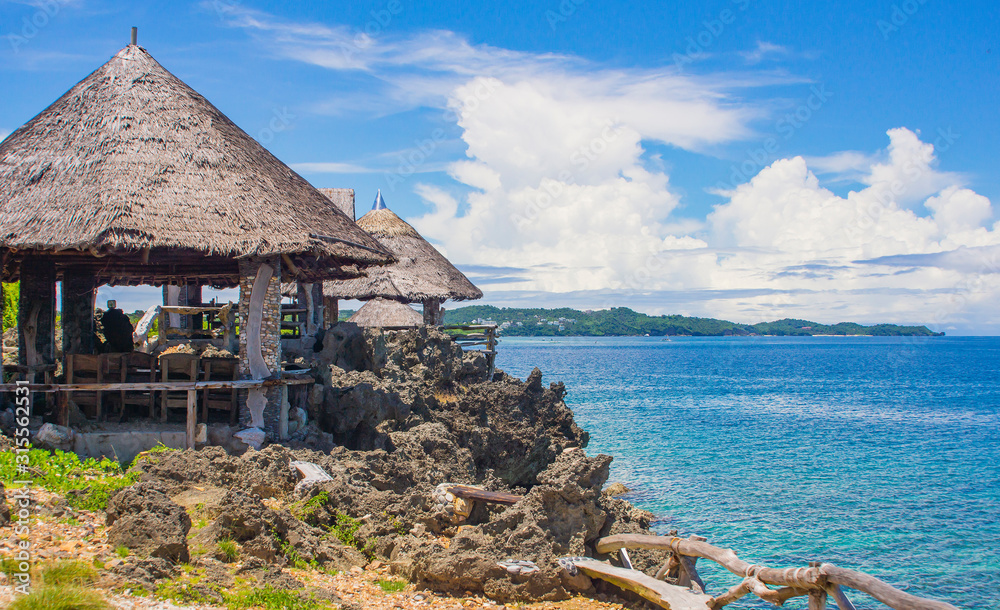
(878, 454)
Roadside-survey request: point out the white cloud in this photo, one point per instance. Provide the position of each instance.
(782, 245)
(763, 51)
(557, 188)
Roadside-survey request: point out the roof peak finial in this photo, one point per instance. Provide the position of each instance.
(135, 36)
(379, 202)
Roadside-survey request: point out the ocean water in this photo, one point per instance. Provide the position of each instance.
(878, 454)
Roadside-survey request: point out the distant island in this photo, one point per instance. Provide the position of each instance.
(622, 321)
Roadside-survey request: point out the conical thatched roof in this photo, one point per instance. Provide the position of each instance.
(383, 312)
(133, 159)
(420, 271)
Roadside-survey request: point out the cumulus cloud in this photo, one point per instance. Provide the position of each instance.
(559, 200)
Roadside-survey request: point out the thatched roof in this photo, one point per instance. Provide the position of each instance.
(132, 159)
(420, 271)
(343, 199)
(383, 312)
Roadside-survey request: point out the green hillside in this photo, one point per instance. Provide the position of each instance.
(620, 321)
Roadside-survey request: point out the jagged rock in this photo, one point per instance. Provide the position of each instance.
(270, 535)
(144, 519)
(412, 411)
(264, 472)
(144, 572)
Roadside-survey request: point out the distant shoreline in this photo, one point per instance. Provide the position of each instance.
(624, 322)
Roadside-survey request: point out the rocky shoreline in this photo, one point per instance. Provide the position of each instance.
(393, 416)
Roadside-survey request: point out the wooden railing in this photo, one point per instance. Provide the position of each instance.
(475, 335)
(817, 581)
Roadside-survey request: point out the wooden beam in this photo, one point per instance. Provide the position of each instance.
(192, 402)
(141, 386)
(473, 493)
(825, 576)
(660, 593)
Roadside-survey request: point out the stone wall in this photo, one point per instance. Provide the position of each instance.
(271, 324)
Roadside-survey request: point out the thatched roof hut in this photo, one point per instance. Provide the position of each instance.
(137, 176)
(420, 272)
(132, 177)
(383, 312)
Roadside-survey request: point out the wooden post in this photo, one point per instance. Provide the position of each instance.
(161, 333)
(192, 401)
(194, 300)
(79, 291)
(62, 399)
(838, 596)
(283, 414)
(817, 597)
(491, 352)
(36, 313)
(331, 311)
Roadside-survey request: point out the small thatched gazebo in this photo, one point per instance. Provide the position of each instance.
(420, 273)
(132, 177)
(384, 313)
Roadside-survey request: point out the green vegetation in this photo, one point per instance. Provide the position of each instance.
(11, 296)
(305, 510)
(622, 321)
(270, 598)
(63, 586)
(345, 529)
(292, 555)
(86, 484)
(61, 573)
(49, 597)
(229, 550)
(122, 552)
(391, 585)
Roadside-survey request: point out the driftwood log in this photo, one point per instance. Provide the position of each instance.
(816, 581)
(474, 493)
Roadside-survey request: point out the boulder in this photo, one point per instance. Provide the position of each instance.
(143, 518)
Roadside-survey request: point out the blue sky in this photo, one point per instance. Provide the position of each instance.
(739, 159)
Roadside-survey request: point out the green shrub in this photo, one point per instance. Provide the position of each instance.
(121, 551)
(87, 484)
(345, 529)
(229, 550)
(60, 597)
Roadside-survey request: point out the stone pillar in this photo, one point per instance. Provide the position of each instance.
(260, 337)
(36, 312)
(432, 312)
(79, 293)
